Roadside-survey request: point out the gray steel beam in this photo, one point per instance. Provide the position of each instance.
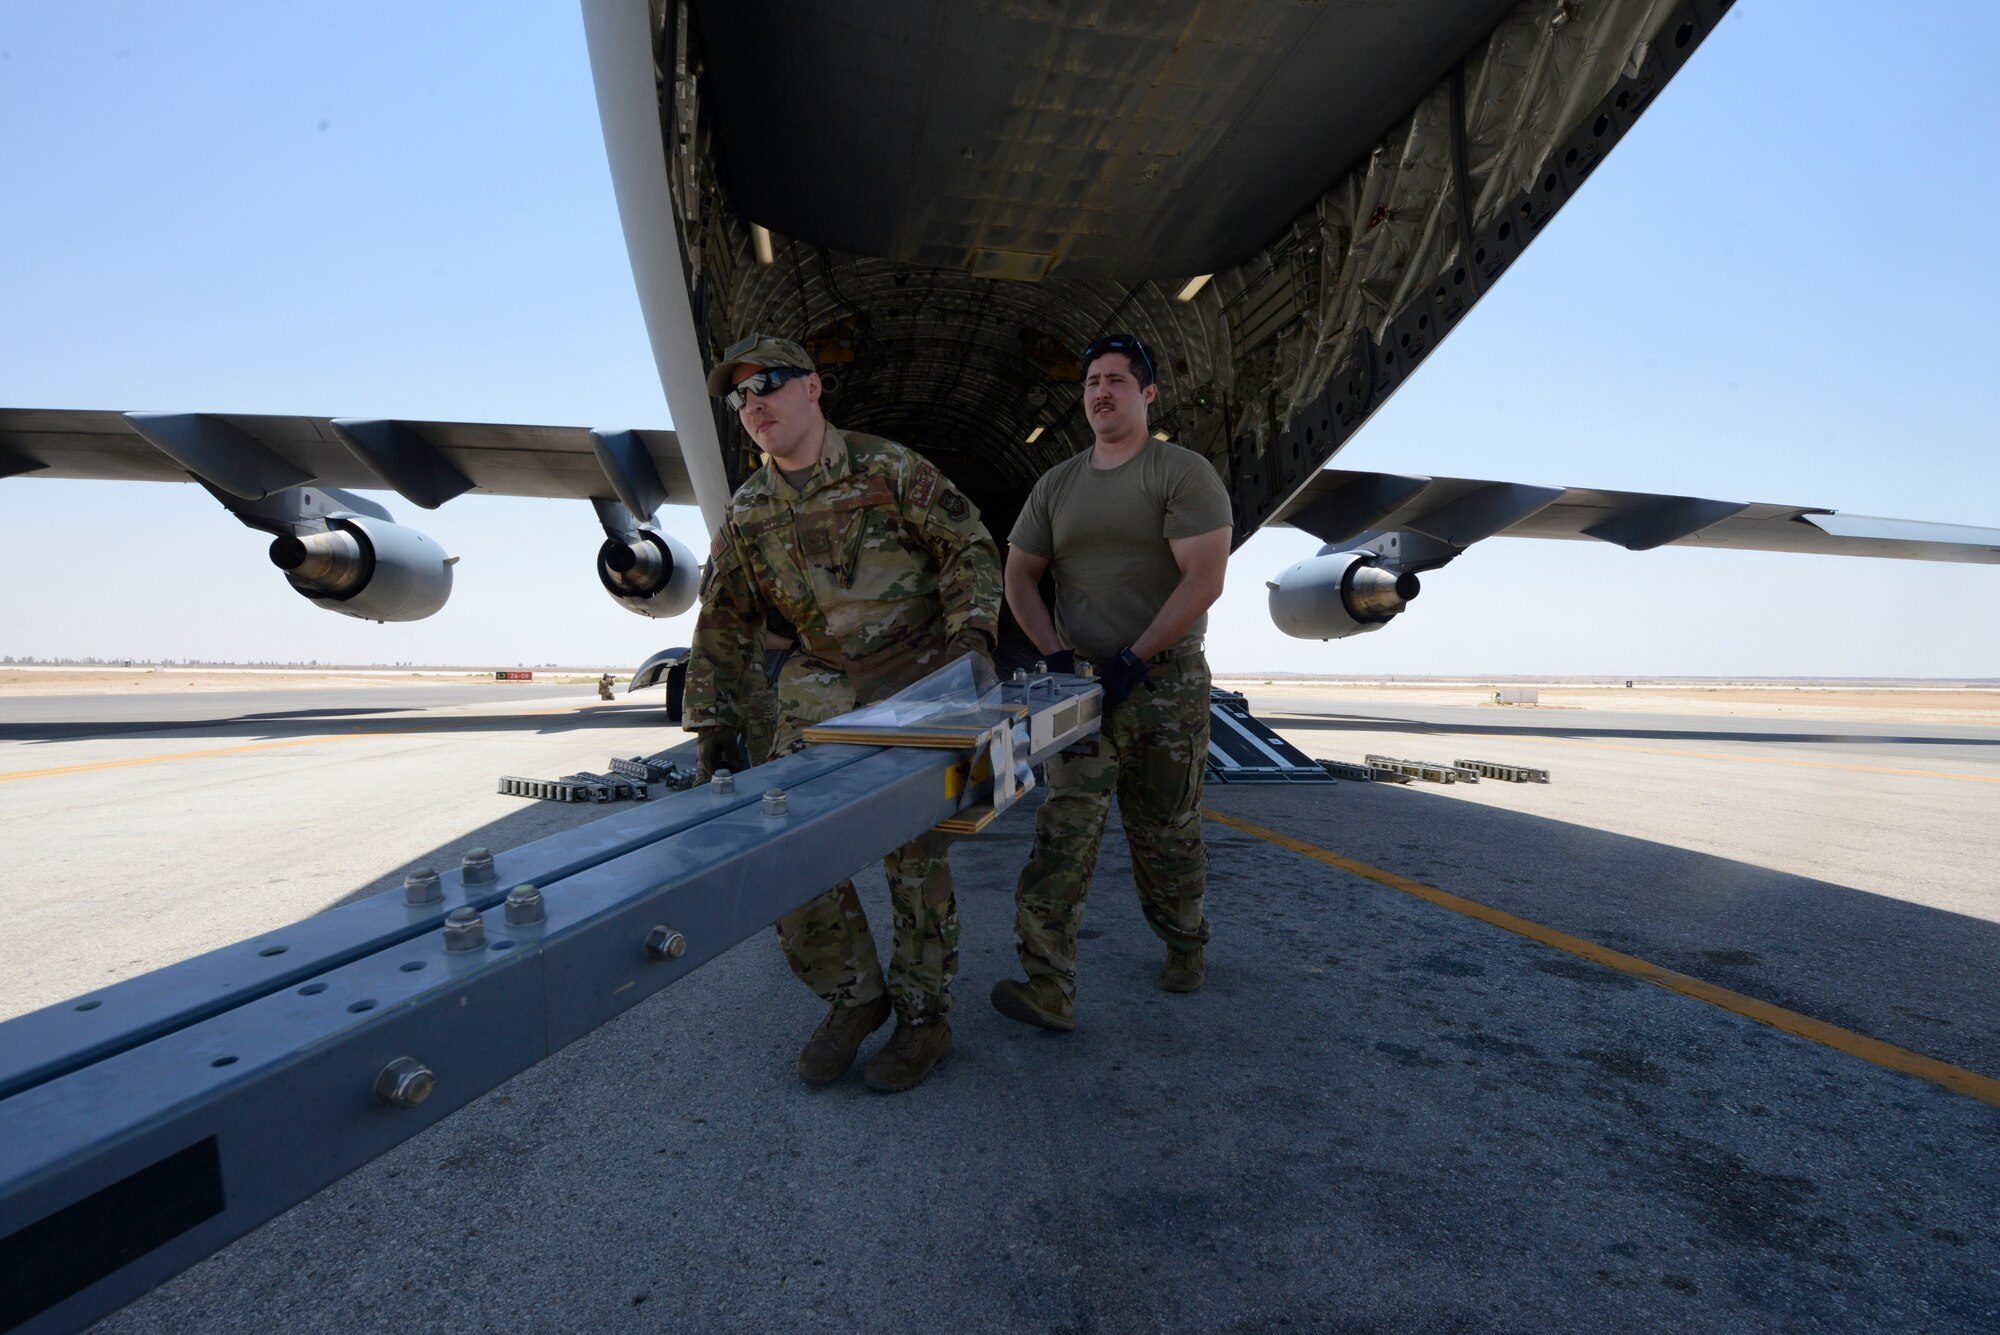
(65, 1037)
(281, 1090)
(133, 1165)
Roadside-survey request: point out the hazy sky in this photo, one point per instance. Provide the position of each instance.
(1779, 288)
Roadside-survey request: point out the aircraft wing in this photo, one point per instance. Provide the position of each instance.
(1339, 506)
(427, 463)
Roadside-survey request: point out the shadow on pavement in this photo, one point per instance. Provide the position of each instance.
(337, 722)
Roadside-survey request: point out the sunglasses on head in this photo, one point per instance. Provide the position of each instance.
(1121, 343)
(764, 382)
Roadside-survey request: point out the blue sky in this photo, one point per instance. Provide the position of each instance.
(1778, 288)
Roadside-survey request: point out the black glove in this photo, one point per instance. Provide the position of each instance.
(1062, 660)
(1119, 675)
(718, 748)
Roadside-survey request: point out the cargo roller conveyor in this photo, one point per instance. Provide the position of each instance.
(226, 1089)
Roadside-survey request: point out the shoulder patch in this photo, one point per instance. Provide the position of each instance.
(925, 486)
(954, 505)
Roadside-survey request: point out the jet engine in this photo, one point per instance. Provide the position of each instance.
(361, 566)
(648, 572)
(1337, 594)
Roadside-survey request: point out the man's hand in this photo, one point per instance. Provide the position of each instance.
(1120, 675)
(717, 748)
(1062, 660)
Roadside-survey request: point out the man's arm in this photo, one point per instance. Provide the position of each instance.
(1024, 597)
(1203, 560)
(727, 641)
(968, 579)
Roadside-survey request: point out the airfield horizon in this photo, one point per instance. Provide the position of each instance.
(1904, 700)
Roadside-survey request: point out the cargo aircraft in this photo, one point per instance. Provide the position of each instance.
(1293, 203)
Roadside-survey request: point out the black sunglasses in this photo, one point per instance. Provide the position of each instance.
(1121, 343)
(764, 382)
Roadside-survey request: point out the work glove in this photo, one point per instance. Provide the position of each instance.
(1062, 660)
(718, 748)
(1119, 675)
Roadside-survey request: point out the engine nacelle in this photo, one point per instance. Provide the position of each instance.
(649, 573)
(1337, 594)
(368, 568)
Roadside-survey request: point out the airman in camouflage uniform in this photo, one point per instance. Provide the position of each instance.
(886, 573)
(1136, 533)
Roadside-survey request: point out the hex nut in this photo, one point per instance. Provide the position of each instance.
(464, 930)
(478, 866)
(775, 802)
(664, 944)
(524, 906)
(722, 781)
(422, 887)
(404, 1083)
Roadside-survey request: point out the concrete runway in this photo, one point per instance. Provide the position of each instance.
(1381, 1114)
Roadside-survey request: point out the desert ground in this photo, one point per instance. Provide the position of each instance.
(1893, 703)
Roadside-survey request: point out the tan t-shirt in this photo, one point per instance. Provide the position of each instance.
(1105, 532)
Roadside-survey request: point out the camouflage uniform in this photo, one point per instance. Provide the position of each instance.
(887, 573)
(1150, 754)
(758, 705)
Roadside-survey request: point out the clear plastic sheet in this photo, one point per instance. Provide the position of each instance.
(961, 688)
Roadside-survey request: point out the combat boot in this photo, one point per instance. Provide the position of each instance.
(830, 1051)
(1040, 1001)
(1184, 972)
(908, 1056)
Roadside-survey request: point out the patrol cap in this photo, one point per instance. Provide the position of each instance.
(757, 350)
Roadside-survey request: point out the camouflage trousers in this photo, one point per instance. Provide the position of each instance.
(827, 942)
(1150, 756)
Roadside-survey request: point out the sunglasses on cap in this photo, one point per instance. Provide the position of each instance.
(1121, 343)
(764, 382)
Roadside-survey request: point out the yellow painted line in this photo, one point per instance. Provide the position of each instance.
(1886, 1055)
(315, 740)
(1692, 755)
(54, 770)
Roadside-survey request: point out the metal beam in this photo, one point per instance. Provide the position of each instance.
(55, 1040)
(158, 1149)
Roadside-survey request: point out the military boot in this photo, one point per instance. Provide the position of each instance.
(908, 1056)
(830, 1051)
(1184, 971)
(1039, 1001)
